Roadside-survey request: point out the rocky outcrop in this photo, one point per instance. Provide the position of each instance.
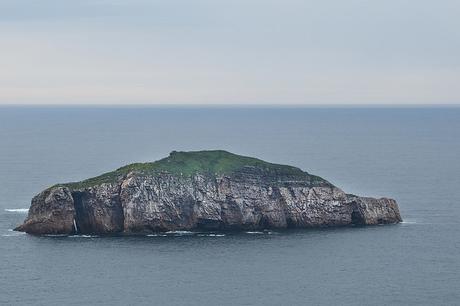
(170, 195)
(52, 212)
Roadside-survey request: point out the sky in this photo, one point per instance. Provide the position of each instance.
(284, 52)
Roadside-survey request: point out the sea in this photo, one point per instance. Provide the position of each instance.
(411, 154)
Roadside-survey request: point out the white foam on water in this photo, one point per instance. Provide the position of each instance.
(12, 233)
(180, 232)
(157, 235)
(211, 235)
(255, 233)
(83, 236)
(17, 210)
(410, 221)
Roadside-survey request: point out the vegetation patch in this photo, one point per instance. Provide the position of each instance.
(215, 162)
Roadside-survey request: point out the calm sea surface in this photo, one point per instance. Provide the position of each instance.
(410, 154)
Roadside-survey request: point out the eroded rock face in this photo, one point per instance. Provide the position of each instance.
(249, 199)
(98, 209)
(370, 211)
(52, 212)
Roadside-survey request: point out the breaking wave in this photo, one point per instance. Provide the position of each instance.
(211, 235)
(180, 233)
(83, 236)
(17, 210)
(265, 232)
(12, 233)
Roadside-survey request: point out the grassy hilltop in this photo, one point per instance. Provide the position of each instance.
(216, 162)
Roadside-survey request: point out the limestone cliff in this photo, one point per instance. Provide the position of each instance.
(205, 190)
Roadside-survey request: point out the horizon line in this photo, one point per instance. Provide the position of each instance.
(232, 105)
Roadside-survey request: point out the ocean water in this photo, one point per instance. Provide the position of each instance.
(410, 154)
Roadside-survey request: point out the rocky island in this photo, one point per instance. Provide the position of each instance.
(203, 190)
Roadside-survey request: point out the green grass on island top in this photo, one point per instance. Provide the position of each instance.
(216, 162)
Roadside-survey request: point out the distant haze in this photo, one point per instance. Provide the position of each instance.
(229, 52)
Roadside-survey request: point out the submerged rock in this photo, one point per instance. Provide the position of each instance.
(208, 190)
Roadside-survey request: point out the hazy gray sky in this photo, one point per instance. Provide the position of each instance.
(235, 51)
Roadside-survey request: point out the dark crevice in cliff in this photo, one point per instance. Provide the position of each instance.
(209, 224)
(93, 215)
(264, 223)
(79, 211)
(290, 223)
(357, 216)
(121, 220)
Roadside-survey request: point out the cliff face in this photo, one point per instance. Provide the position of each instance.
(52, 212)
(251, 196)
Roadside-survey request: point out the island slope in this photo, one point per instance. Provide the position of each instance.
(205, 190)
